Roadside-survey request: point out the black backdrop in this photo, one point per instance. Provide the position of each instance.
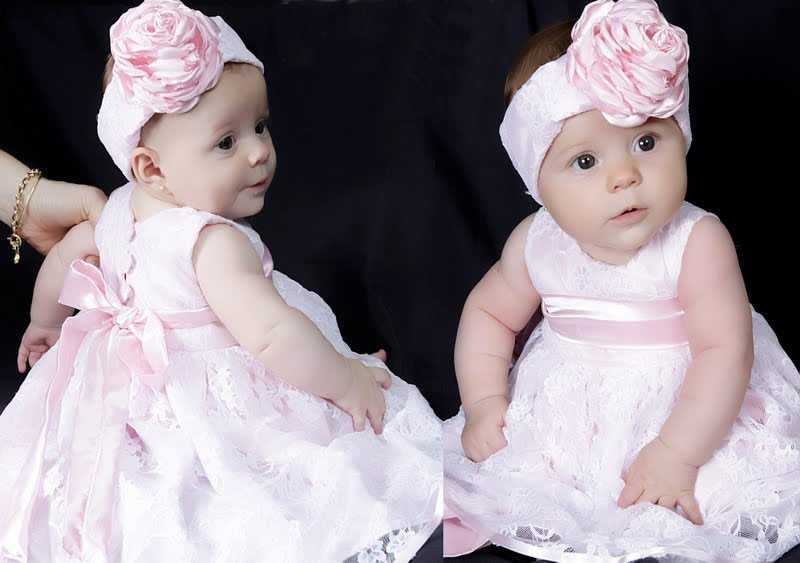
(393, 194)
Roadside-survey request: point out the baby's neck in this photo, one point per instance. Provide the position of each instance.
(612, 256)
(144, 206)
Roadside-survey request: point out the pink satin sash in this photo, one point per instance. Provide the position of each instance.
(616, 324)
(120, 342)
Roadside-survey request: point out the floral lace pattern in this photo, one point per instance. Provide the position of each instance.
(579, 416)
(229, 463)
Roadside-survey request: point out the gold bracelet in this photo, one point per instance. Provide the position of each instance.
(19, 210)
(30, 195)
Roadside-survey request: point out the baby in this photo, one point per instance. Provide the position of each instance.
(652, 412)
(201, 406)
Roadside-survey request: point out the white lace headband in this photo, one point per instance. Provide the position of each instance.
(625, 60)
(166, 56)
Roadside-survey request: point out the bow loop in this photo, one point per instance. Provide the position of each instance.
(139, 332)
(121, 343)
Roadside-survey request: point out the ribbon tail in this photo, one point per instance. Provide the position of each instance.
(144, 351)
(16, 519)
(97, 439)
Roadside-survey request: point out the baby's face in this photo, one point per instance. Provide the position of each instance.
(595, 172)
(218, 157)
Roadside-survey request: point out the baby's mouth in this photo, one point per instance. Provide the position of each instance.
(630, 214)
(628, 211)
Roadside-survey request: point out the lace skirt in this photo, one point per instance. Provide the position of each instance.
(231, 464)
(577, 419)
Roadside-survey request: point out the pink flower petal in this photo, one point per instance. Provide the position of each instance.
(628, 60)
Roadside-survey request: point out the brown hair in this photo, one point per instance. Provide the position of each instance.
(107, 71)
(544, 46)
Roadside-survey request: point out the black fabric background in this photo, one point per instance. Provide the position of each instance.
(393, 194)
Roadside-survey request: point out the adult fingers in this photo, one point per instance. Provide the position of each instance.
(92, 202)
(690, 507)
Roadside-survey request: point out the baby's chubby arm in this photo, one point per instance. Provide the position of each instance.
(719, 326)
(47, 314)
(284, 340)
(498, 308)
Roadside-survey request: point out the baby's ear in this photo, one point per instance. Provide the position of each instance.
(145, 168)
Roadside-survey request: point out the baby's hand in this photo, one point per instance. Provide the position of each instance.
(660, 477)
(483, 432)
(36, 341)
(363, 398)
(380, 354)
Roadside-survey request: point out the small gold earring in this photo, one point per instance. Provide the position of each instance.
(162, 188)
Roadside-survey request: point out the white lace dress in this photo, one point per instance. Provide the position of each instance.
(580, 412)
(147, 435)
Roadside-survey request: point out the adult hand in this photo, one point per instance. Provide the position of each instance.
(55, 208)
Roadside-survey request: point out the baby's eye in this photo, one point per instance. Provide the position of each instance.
(261, 127)
(584, 162)
(646, 143)
(226, 144)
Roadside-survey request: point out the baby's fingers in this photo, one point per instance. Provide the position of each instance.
(490, 445)
(667, 501)
(383, 377)
(380, 354)
(377, 411)
(359, 421)
(494, 445)
(34, 357)
(376, 420)
(499, 441)
(22, 358)
(630, 494)
(477, 452)
(690, 507)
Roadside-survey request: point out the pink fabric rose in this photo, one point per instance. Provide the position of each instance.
(628, 60)
(165, 55)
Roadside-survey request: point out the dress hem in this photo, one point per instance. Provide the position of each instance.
(553, 555)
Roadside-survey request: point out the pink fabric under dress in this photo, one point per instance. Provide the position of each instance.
(593, 385)
(148, 435)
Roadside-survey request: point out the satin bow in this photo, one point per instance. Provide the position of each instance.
(138, 333)
(119, 342)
